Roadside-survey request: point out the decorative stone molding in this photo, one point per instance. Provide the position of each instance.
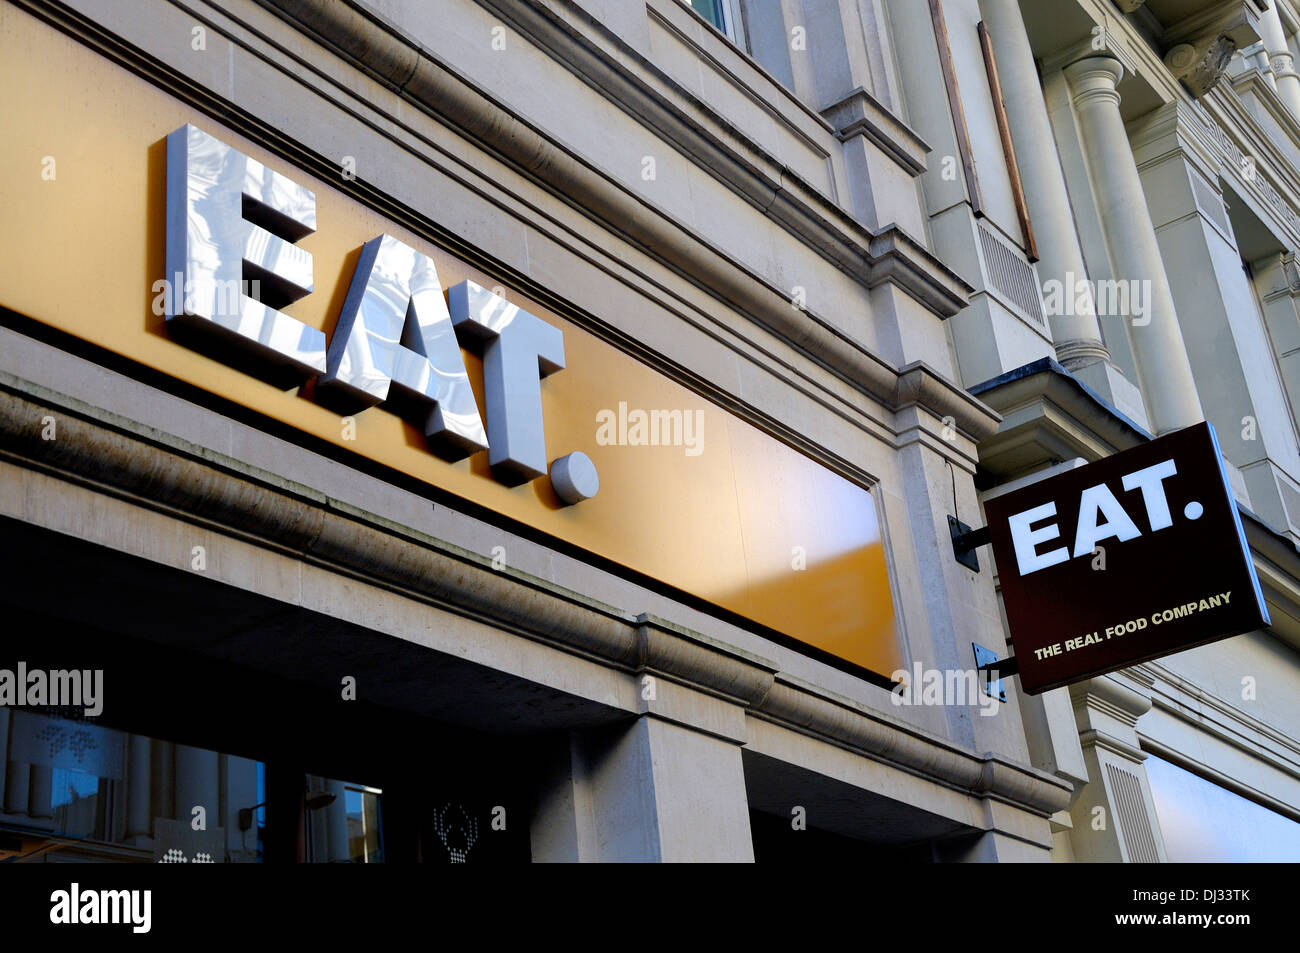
(1095, 78)
(873, 733)
(889, 256)
(1199, 47)
(1114, 818)
(1282, 65)
(377, 47)
(859, 114)
(920, 385)
(1292, 272)
(1112, 698)
(1200, 68)
(1049, 416)
(1079, 353)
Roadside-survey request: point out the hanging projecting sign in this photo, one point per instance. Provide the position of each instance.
(1127, 559)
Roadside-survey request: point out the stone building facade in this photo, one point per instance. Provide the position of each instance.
(893, 256)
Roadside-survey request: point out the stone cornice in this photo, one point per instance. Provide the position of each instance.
(1197, 47)
(1175, 125)
(1254, 81)
(1236, 19)
(1049, 416)
(897, 260)
(1108, 694)
(1191, 703)
(857, 728)
(161, 472)
(920, 385)
(859, 114)
(1118, 47)
(1220, 129)
(889, 256)
(1232, 121)
(1277, 563)
(362, 36)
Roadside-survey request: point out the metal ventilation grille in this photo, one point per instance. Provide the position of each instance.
(1010, 274)
(1210, 204)
(1131, 815)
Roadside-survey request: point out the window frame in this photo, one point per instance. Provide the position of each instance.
(730, 19)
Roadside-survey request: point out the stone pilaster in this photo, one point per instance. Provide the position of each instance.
(1114, 817)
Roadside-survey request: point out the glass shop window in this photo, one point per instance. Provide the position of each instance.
(343, 822)
(1204, 823)
(76, 790)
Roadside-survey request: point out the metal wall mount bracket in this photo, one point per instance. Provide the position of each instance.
(987, 661)
(965, 541)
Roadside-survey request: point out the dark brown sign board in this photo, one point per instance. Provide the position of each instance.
(1131, 558)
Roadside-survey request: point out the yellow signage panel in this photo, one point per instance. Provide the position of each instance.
(724, 511)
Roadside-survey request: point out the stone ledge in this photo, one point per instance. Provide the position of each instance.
(853, 726)
(1049, 416)
(859, 114)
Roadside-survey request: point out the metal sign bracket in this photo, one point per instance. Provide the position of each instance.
(965, 541)
(987, 661)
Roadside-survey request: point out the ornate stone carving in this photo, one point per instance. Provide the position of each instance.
(1282, 64)
(1199, 43)
(1201, 67)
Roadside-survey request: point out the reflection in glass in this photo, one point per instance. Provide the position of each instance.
(343, 822)
(76, 790)
(1203, 822)
(78, 801)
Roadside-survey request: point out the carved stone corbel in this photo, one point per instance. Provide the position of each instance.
(1198, 48)
(1200, 67)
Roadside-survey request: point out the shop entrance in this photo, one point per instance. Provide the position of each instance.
(227, 730)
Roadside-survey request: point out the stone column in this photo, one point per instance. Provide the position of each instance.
(1077, 336)
(1280, 59)
(1166, 374)
(1277, 279)
(651, 791)
(1227, 343)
